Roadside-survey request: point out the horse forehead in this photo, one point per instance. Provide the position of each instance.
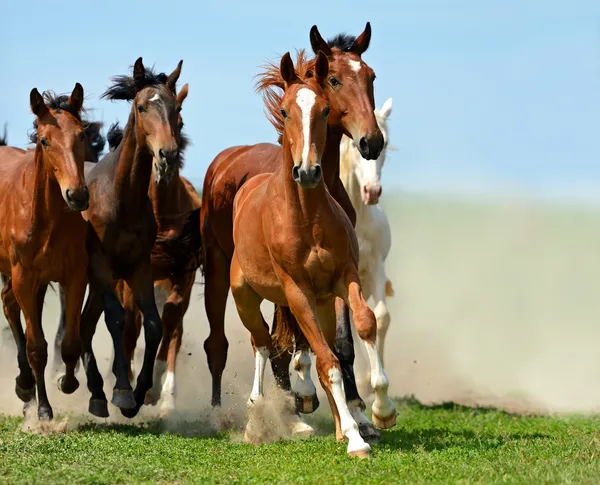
(305, 99)
(61, 121)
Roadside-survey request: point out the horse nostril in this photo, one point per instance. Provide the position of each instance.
(69, 197)
(317, 173)
(296, 173)
(363, 144)
(161, 154)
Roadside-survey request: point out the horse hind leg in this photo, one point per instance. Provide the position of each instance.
(25, 381)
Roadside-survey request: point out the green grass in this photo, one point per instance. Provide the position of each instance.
(444, 444)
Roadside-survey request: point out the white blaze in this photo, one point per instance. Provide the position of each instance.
(156, 97)
(306, 100)
(354, 65)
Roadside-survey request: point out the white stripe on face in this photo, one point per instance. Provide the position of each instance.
(306, 100)
(354, 65)
(156, 97)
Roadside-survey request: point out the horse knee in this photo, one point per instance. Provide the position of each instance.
(37, 353)
(366, 324)
(382, 316)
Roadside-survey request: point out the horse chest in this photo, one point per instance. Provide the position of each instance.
(320, 265)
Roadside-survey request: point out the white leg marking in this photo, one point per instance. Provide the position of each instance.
(304, 385)
(260, 361)
(160, 366)
(382, 316)
(168, 393)
(349, 427)
(306, 100)
(299, 427)
(383, 405)
(354, 65)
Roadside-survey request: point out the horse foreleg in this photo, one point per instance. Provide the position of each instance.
(60, 330)
(382, 314)
(141, 285)
(384, 411)
(132, 326)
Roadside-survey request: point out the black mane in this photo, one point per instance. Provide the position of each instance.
(126, 87)
(94, 135)
(343, 42)
(4, 138)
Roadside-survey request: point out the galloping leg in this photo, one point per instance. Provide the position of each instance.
(74, 293)
(132, 326)
(143, 291)
(25, 288)
(384, 412)
(382, 314)
(216, 289)
(60, 330)
(328, 366)
(25, 382)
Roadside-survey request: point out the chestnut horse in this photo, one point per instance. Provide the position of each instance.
(349, 91)
(295, 246)
(122, 231)
(175, 259)
(42, 239)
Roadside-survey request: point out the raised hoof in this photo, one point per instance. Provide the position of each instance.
(123, 399)
(362, 454)
(307, 404)
(151, 399)
(98, 407)
(369, 433)
(67, 387)
(385, 423)
(25, 395)
(45, 413)
(130, 412)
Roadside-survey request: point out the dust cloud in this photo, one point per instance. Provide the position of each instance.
(495, 304)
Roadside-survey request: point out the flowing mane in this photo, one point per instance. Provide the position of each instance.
(126, 87)
(61, 102)
(270, 85)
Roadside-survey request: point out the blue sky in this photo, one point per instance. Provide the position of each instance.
(487, 95)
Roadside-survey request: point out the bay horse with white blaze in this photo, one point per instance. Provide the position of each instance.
(42, 238)
(349, 91)
(295, 246)
(122, 231)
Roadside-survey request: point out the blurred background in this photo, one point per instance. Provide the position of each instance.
(492, 191)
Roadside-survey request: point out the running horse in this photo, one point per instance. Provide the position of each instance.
(175, 259)
(296, 246)
(349, 91)
(42, 239)
(122, 231)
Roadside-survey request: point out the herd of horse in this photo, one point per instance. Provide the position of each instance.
(279, 222)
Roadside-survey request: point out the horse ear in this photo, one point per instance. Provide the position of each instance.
(174, 76)
(286, 67)
(139, 72)
(182, 94)
(36, 101)
(318, 43)
(76, 98)
(361, 44)
(321, 67)
(386, 109)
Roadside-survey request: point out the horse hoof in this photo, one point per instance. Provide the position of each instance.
(151, 399)
(130, 412)
(123, 399)
(307, 404)
(302, 430)
(98, 407)
(25, 395)
(385, 423)
(361, 454)
(67, 386)
(369, 433)
(45, 413)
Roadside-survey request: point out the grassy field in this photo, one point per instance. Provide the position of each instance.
(441, 444)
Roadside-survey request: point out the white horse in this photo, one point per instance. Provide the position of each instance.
(362, 180)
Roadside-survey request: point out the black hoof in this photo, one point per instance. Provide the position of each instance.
(123, 399)
(25, 395)
(98, 407)
(306, 404)
(68, 386)
(369, 433)
(130, 413)
(45, 413)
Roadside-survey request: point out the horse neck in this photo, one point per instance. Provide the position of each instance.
(134, 168)
(330, 161)
(348, 175)
(305, 202)
(47, 198)
(165, 198)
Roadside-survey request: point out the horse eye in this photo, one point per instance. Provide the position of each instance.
(44, 142)
(334, 81)
(283, 113)
(140, 108)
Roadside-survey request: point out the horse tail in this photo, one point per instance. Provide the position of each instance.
(114, 136)
(4, 138)
(389, 289)
(286, 329)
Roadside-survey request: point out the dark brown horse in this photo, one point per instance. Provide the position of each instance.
(349, 91)
(122, 230)
(295, 246)
(42, 238)
(175, 259)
